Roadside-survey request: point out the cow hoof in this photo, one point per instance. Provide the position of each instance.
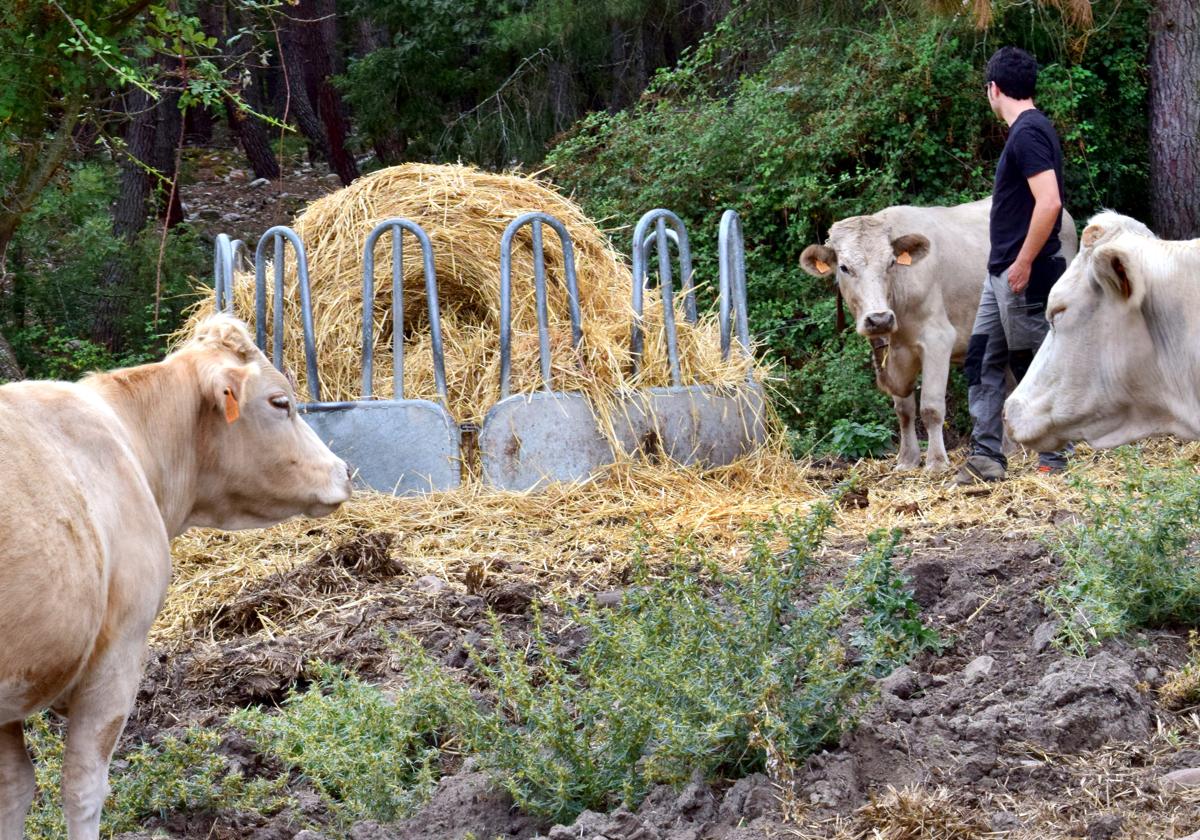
(937, 466)
(907, 466)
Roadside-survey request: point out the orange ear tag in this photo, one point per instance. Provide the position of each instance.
(231, 406)
(905, 258)
(822, 267)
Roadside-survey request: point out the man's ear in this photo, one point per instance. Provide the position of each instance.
(224, 386)
(1117, 274)
(910, 248)
(818, 260)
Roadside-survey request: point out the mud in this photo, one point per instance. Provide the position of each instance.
(990, 717)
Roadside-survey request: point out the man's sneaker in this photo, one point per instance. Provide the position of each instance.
(980, 469)
(1050, 469)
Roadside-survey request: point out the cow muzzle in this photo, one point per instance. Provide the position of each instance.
(879, 323)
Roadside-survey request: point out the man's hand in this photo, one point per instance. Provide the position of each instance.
(1018, 276)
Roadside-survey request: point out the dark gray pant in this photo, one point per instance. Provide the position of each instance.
(1008, 331)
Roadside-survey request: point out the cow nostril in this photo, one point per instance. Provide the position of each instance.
(349, 473)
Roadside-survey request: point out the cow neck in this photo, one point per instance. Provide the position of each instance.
(160, 406)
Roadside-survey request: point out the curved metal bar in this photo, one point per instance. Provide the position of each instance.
(225, 262)
(535, 221)
(277, 235)
(732, 251)
(223, 274)
(651, 242)
(397, 227)
(659, 218)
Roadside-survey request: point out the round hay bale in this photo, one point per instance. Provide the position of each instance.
(465, 211)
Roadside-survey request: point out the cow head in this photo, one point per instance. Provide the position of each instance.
(1098, 376)
(259, 462)
(866, 259)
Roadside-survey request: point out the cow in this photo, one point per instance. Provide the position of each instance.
(1122, 360)
(96, 478)
(912, 277)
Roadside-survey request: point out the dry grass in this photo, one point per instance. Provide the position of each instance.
(464, 211)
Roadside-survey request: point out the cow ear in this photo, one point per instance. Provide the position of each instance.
(225, 388)
(1091, 235)
(818, 260)
(910, 248)
(1117, 274)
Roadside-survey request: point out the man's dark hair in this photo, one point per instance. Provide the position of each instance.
(1014, 71)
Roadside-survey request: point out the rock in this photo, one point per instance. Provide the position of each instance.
(208, 214)
(610, 599)
(1043, 636)
(1151, 675)
(1180, 780)
(332, 178)
(258, 183)
(1004, 821)
(902, 682)
(431, 585)
(979, 668)
(308, 834)
(1105, 827)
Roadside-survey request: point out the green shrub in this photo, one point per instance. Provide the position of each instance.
(57, 257)
(179, 775)
(1134, 561)
(858, 440)
(371, 757)
(701, 670)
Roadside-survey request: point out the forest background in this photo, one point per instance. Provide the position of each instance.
(795, 113)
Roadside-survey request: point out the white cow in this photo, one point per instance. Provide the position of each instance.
(1122, 360)
(912, 276)
(95, 479)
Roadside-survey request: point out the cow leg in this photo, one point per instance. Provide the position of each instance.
(17, 786)
(96, 716)
(935, 373)
(910, 450)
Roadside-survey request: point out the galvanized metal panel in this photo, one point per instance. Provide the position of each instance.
(698, 424)
(401, 447)
(530, 440)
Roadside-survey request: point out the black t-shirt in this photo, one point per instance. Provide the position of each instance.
(1032, 147)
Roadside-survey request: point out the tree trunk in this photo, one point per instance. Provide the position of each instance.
(128, 214)
(199, 130)
(1175, 118)
(252, 135)
(169, 122)
(308, 43)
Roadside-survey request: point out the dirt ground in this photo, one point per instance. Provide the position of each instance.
(1000, 734)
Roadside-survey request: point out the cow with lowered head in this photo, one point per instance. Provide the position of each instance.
(96, 477)
(1122, 360)
(912, 277)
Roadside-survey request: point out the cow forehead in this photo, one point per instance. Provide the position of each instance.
(861, 239)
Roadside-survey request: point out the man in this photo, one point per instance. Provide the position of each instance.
(1023, 264)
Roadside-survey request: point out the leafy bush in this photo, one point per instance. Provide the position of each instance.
(61, 250)
(856, 440)
(180, 774)
(700, 670)
(1134, 561)
(371, 757)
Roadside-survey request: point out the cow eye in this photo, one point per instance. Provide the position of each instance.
(845, 270)
(1054, 313)
(281, 402)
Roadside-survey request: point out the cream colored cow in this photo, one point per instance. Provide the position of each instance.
(912, 276)
(1122, 361)
(96, 478)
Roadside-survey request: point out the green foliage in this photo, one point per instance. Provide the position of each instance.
(58, 255)
(847, 118)
(370, 756)
(179, 775)
(1134, 561)
(701, 670)
(858, 440)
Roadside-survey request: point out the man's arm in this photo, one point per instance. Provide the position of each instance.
(1047, 205)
